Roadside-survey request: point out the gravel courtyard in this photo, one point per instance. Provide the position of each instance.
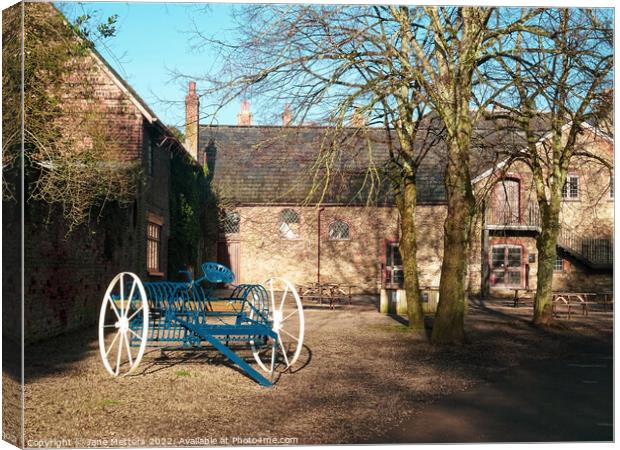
(360, 375)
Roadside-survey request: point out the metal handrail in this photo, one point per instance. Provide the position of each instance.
(529, 215)
(597, 251)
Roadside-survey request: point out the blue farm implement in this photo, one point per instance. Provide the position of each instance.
(267, 319)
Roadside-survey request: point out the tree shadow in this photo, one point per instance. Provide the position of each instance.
(400, 319)
(428, 322)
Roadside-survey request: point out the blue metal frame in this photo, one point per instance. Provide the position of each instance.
(183, 313)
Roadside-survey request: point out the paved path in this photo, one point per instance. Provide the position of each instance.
(550, 401)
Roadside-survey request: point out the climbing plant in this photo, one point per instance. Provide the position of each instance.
(72, 159)
(188, 198)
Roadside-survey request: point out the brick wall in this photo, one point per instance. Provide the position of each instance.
(590, 216)
(65, 276)
(66, 273)
(12, 233)
(263, 253)
(95, 104)
(155, 194)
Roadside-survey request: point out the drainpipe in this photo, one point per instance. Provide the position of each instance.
(318, 245)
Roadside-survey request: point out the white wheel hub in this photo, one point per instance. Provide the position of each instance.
(277, 320)
(122, 325)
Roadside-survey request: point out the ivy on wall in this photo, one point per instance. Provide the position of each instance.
(188, 204)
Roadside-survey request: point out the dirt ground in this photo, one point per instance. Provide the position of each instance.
(361, 374)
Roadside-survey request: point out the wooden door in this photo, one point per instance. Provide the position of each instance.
(506, 203)
(228, 255)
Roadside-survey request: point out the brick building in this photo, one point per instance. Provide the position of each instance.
(511, 224)
(66, 273)
(272, 226)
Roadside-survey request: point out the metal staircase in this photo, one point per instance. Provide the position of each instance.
(597, 253)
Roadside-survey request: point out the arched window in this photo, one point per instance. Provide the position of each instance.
(229, 222)
(289, 224)
(338, 231)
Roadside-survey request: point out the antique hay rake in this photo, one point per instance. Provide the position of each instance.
(268, 318)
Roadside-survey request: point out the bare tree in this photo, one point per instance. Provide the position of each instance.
(454, 47)
(396, 66)
(344, 67)
(560, 78)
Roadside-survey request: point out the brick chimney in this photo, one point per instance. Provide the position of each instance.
(191, 120)
(357, 118)
(287, 117)
(245, 115)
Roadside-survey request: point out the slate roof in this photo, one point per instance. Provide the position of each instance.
(277, 165)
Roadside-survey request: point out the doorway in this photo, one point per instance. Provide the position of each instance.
(507, 266)
(228, 253)
(506, 202)
(393, 276)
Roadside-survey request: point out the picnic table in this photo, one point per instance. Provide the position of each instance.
(571, 300)
(332, 292)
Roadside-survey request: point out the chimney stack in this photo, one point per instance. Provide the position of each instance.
(245, 115)
(357, 118)
(287, 117)
(191, 120)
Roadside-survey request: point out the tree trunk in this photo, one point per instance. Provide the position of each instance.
(546, 246)
(408, 250)
(448, 326)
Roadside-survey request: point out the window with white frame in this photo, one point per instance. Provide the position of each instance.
(338, 231)
(558, 265)
(289, 224)
(570, 190)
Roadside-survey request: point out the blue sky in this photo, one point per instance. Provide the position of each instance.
(151, 42)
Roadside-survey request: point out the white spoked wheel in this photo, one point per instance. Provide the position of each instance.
(123, 324)
(287, 314)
